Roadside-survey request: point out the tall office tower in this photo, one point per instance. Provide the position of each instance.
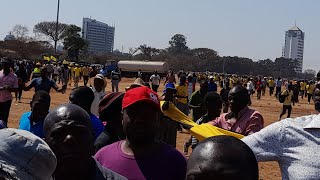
(293, 48)
(99, 35)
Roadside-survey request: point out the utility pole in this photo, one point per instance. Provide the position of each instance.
(57, 26)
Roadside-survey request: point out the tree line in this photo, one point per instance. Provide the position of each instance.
(178, 55)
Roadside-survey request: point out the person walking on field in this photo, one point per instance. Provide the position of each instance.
(115, 79)
(76, 75)
(8, 84)
(278, 86)
(271, 85)
(155, 81)
(310, 89)
(287, 96)
(259, 87)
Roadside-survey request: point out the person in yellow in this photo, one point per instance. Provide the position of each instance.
(303, 85)
(71, 74)
(287, 95)
(271, 85)
(76, 75)
(310, 89)
(36, 71)
(85, 74)
(182, 96)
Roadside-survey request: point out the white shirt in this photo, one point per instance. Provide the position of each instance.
(293, 143)
(97, 98)
(250, 86)
(155, 79)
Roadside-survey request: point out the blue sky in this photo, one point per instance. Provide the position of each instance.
(246, 28)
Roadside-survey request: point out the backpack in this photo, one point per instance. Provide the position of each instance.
(282, 98)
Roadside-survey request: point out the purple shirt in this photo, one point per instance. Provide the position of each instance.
(12, 80)
(248, 122)
(163, 163)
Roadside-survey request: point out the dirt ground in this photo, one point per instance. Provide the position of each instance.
(269, 107)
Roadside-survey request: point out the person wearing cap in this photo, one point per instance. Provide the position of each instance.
(212, 86)
(99, 85)
(68, 132)
(32, 121)
(36, 71)
(76, 75)
(83, 97)
(168, 127)
(222, 157)
(155, 81)
(137, 83)
(139, 156)
(43, 83)
(8, 84)
(110, 113)
(24, 156)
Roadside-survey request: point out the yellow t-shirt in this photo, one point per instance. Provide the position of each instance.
(85, 71)
(182, 91)
(288, 100)
(77, 71)
(310, 88)
(302, 86)
(271, 83)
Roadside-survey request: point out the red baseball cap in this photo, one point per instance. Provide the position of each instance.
(140, 94)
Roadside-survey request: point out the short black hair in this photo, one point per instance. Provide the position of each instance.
(42, 96)
(84, 95)
(213, 97)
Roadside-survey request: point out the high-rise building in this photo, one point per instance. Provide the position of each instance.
(293, 47)
(99, 35)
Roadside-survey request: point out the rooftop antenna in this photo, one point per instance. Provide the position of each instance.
(295, 22)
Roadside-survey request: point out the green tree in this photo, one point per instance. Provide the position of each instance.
(73, 41)
(48, 30)
(178, 44)
(204, 53)
(148, 51)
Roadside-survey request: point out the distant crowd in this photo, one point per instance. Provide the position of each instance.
(126, 135)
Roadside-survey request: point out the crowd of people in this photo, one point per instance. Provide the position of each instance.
(125, 135)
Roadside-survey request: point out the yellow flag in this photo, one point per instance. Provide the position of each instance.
(53, 58)
(201, 131)
(47, 58)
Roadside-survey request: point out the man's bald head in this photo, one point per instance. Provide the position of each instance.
(224, 158)
(66, 112)
(69, 134)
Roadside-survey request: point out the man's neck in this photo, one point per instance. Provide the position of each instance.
(86, 172)
(129, 149)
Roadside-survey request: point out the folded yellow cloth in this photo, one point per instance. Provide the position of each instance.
(201, 131)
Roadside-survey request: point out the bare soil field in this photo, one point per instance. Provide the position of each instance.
(268, 106)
